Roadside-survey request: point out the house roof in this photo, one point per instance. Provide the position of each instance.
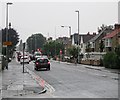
(86, 37)
(112, 34)
(104, 31)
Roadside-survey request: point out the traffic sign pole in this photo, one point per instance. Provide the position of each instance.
(23, 56)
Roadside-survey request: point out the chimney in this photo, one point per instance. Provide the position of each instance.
(117, 26)
(9, 25)
(94, 33)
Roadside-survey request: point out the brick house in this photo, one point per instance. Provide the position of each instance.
(112, 40)
(66, 41)
(95, 41)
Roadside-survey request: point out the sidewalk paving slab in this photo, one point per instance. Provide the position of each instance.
(17, 84)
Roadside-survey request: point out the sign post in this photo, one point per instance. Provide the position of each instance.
(60, 55)
(23, 55)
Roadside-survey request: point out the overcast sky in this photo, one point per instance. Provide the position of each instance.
(44, 17)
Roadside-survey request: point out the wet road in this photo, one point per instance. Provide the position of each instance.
(71, 81)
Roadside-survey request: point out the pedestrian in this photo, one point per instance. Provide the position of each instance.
(6, 64)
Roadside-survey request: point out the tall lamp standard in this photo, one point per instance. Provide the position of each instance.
(69, 34)
(7, 4)
(78, 35)
(69, 29)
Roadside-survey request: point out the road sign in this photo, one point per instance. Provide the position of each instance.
(60, 51)
(8, 43)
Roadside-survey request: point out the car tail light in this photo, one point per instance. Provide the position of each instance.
(37, 63)
(48, 62)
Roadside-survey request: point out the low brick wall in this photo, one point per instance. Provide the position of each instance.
(0, 66)
(90, 62)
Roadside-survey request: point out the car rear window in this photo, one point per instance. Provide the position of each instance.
(42, 60)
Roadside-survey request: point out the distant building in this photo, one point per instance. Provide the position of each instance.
(83, 39)
(66, 41)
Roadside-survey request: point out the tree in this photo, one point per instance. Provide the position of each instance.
(103, 27)
(35, 42)
(53, 48)
(112, 59)
(73, 51)
(12, 37)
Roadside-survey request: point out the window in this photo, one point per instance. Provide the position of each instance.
(108, 43)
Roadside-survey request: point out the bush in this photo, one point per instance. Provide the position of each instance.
(111, 60)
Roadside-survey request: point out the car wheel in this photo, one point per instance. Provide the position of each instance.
(36, 69)
(48, 68)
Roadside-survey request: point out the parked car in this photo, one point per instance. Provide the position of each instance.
(26, 59)
(42, 63)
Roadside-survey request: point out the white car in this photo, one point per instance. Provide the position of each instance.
(26, 59)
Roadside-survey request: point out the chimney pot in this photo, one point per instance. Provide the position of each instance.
(117, 26)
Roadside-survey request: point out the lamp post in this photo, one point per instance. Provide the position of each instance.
(69, 29)
(7, 4)
(78, 34)
(69, 35)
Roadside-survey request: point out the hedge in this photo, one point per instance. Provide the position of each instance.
(111, 60)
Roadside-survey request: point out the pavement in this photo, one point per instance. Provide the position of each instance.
(16, 84)
(100, 68)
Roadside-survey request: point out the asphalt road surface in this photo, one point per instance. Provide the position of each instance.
(76, 81)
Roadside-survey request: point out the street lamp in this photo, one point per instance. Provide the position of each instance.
(7, 4)
(78, 35)
(69, 29)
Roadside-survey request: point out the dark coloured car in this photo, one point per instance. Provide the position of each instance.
(42, 63)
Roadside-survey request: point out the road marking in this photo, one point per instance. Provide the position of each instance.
(41, 81)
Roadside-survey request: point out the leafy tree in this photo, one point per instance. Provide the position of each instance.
(103, 27)
(12, 37)
(53, 48)
(118, 50)
(110, 60)
(35, 42)
(73, 51)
